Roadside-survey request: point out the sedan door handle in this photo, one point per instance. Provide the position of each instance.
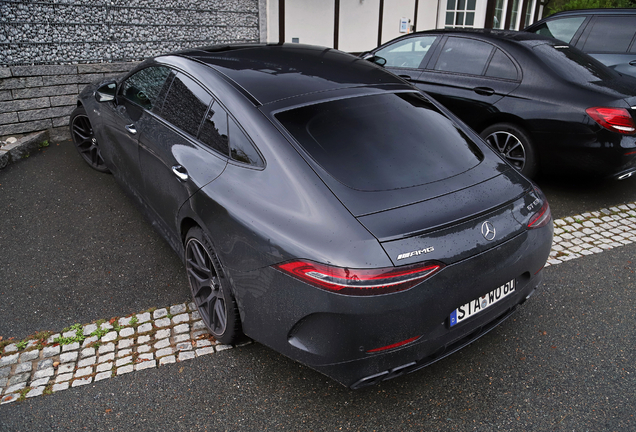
(632, 63)
(131, 128)
(484, 91)
(180, 172)
(406, 77)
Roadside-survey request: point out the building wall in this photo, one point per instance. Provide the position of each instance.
(50, 49)
(41, 97)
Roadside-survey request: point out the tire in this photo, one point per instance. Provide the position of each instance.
(514, 145)
(210, 288)
(85, 141)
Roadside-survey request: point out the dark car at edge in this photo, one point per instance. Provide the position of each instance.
(540, 102)
(608, 35)
(321, 205)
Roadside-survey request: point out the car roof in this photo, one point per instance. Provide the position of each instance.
(601, 11)
(271, 72)
(492, 35)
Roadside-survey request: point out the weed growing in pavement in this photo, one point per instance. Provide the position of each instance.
(22, 344)
(43, 144)
(79, 335)
(23, 393)
(48, 389)
(577, 220)
(99, 332)
(169, 316)
(134, 320)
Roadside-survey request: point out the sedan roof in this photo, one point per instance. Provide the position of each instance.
(274, 72)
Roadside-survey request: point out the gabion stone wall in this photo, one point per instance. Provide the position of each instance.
(50, 49)
(35, 98)
(94, 31)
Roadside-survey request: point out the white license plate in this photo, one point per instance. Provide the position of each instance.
(473, 307)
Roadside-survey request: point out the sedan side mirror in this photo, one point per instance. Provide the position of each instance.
(106, 92)
(380, 61)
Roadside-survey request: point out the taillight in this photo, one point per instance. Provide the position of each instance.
(359, 282)
(614, 119)
(543, 216)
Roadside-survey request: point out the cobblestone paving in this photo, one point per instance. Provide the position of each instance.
(140, 341)
(593, 232)
(175, 334)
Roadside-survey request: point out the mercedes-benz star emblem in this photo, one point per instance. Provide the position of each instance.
(488, 230)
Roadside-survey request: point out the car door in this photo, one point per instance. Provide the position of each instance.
(137, 96)
(406, 56)
(469, 77)
(174, 163)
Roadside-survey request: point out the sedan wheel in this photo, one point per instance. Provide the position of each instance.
(85, 141)
(514, 145)
(210, 288)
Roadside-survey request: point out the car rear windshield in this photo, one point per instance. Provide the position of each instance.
(382, 142)
(572, 64)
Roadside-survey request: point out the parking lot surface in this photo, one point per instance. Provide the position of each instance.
(75, 249)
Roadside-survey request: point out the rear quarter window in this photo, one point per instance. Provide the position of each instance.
(382, 142)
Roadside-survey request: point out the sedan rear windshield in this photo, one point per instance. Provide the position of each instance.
(382, 142)
(573, 65)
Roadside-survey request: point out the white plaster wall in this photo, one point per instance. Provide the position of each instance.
(272, 21)
(427, 14)
(394, 10)
(310, 20)
(359, 21)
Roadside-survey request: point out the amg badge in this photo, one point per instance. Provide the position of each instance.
(415, 253)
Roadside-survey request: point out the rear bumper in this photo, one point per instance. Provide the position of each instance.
(334, 334)
(603, 154)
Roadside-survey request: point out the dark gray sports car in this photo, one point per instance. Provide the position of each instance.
(322, 206)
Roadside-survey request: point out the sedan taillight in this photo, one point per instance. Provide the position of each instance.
(359, 282)
(614, 119)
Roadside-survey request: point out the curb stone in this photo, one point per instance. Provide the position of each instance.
(10, 153)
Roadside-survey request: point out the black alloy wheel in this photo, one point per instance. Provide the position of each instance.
(85, 141)
(210, 288)
(514, 145)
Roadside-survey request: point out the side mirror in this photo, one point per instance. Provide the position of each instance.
(380, 61)
(106, 92)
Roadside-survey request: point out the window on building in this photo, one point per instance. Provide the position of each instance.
(460, 13)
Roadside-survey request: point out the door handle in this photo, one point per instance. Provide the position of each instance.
(131, 128)
(484, 91)
(406, 77)
(180, 172)
(632, 63)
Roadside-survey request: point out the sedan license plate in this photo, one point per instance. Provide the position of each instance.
(473, 307)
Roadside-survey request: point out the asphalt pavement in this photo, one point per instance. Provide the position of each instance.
(73, 248)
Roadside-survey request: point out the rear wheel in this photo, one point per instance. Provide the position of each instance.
(85, 141)
(514, 144)
(210, 288)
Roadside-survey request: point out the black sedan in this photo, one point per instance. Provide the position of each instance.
(538, 101)
(321, 205)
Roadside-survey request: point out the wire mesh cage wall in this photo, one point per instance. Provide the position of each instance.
(93, 31)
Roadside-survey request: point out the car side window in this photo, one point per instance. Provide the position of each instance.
(611, 34)
(563, 29)
(241, 149)
(144, 88)
(407, 53)
(185, 104)
(214, 131)
(501, 66)
(466, 56)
